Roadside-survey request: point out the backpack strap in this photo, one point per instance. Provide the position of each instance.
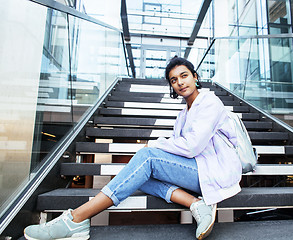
(225, 139)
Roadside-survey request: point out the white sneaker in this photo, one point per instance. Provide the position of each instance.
(205, 216)
(61, 227)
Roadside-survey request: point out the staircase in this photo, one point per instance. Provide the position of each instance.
(138, 110)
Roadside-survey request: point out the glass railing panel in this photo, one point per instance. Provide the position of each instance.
(22, 29)
(113, 56)
(53, 68)
(258, 69)
(87, 64)
(95, 63)
(54, 113)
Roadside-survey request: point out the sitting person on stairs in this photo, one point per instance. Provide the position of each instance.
(193, 158)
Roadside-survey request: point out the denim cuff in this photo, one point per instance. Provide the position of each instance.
(169, 193)
(108, 192)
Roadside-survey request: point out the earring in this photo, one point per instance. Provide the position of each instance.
(196, 84)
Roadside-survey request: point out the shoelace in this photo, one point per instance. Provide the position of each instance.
(63, 217)
(197, 215)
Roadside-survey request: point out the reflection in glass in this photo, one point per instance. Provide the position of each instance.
(258, 70)
(22, 36)
(278, 12)
(54, 115)
(55, 67)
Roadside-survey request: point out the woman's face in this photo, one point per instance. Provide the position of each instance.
(183, 82)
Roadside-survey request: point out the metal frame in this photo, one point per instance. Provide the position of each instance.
(124, 20)
(146, 47)
(202, 13)
(126, 35)
(62, 8)
(151, 4)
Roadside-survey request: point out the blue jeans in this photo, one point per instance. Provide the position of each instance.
(154, 172)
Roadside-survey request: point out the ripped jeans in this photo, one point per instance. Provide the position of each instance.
(154, 172)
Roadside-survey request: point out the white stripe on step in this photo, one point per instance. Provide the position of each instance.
(125, 147)
(156, 89)
(270, 149)
(108, 170)
(156, 112)
(261, 169)
(132, 202)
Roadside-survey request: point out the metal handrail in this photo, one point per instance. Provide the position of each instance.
(71, 11)
(206, 53)
(287, 35)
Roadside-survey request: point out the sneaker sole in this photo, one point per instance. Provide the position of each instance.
(71, 238)
(210, 227)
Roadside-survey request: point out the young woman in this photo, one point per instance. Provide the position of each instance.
(193, 158)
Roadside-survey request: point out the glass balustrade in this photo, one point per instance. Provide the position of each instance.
(53, 68)
(258, 69)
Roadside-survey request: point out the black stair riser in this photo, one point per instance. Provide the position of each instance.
(156, 95)
(131, 98)
(80, 169)
(226, 103)
(112, 169)
(158, 82)
(118, 112)
(112, 121)
(126, 86)
(145, 134)
(91, 147)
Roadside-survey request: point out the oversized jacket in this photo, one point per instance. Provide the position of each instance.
(195, 137)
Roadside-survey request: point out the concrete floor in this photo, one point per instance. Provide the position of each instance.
(264, 230)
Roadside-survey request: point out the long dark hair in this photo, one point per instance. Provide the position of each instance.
(177, 61)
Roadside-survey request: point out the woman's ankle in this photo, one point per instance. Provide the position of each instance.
(75, 217)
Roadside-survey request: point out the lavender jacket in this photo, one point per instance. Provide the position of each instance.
(194, 136)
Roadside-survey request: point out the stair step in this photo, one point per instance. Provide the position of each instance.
(151, 81)
(160, 113)
(156, 89)
(232, 106)
(260, 230)
(158, 82)
(168, 123)
(132, 148)
(153, 134)
(112, 169)
(155, 95)
(248, 198)
(158, 99)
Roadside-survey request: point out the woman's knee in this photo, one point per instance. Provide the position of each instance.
(144, 154)
(146, 151)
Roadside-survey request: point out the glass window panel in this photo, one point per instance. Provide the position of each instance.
(278, 12)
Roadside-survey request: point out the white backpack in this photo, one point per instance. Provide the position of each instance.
(246, 153)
